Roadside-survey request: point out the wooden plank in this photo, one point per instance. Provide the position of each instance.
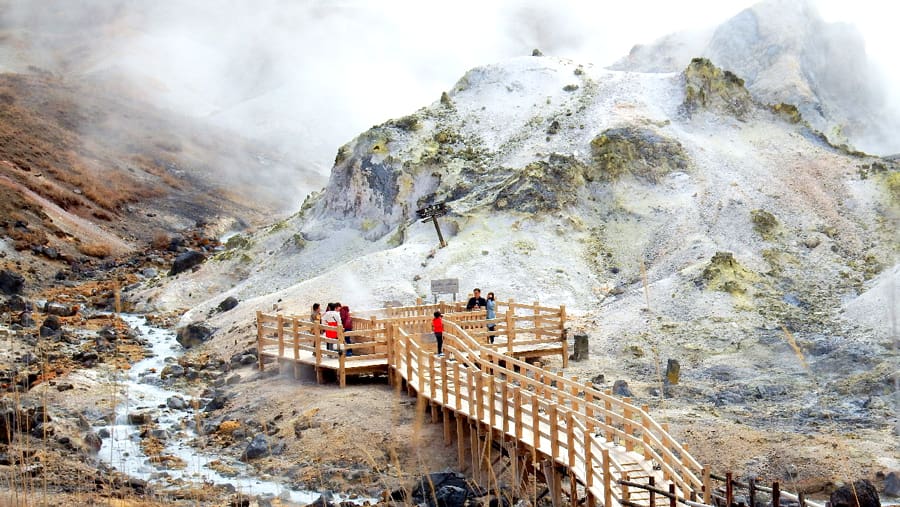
(259, 340)
(280, 335)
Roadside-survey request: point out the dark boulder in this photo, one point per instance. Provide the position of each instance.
(93, 441)
(17, 304)
(25, 319)
(216, 403)
(892, 484)
(861, 494)
(186, 261)
(620, 388)
(11, 282)
(193, 335)
(229, 303)
(139, 418)
(257, 448)
(52, 322)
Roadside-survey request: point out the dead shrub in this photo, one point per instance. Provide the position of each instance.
(160, 241)
(98, 250)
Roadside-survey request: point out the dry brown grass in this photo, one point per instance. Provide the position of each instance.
(98, 250)
(160, 241)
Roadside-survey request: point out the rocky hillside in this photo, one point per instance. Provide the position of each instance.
(676, 215)
(787, 53)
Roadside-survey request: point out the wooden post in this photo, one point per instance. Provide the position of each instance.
(801, 499)
(535, 427)
(776, 494)
(476, 456)
(259, 340)
(491, 405)
(588, 461)
(651, 481)
(673, 501)
(460, 441)
(626, 496)
(445, 383)
(537, 322)
(589, 400)
(554, 431)
(510, 322)
(342, 357)
(280, 336)
(629, 429)
(456, 386)
(479, 396)
(296, 332)
(707, 485)
(517, 412)
(504, 403)
(645, 435)
(607, 404)
(607, 479)
(729, 489)
(570, 440)
(751, 486)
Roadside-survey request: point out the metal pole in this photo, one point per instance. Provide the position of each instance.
(438, 229)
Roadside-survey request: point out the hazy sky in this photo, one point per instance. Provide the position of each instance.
(309, 75)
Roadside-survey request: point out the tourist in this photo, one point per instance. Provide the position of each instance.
(316, 315)
(491, 306)
(331, 318)
(347, 322)
(437, 325)
(476, 302)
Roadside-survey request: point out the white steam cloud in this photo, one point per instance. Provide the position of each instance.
(308, 75)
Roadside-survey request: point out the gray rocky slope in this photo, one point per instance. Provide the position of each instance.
(674, 214)
(787, 53)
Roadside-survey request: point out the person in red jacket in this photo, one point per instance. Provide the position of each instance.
(437, 325)
(347, 322)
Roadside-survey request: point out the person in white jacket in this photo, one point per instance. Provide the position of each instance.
(331, 318)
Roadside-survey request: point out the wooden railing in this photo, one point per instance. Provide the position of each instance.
(573, 424)
(293, 336)
(607, 444)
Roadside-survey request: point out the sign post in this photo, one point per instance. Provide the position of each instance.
(445, 286)
(431, 213)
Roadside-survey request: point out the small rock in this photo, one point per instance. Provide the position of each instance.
(17, 304)
(229, 303)
(257, 448)
(52, 323)
(60, 309)
(176, 403)
(599, 379)
(149, 272)
(172, 370)
(103, 433)
(10, 282)
(232, 380)
(536, 52)
(620, 388)
(93, 441)
(65, 386)
(673, 372)
(892, 484)
(216, 403)
(139, 418)
(248, 359)
(811, 242)
(25, 319)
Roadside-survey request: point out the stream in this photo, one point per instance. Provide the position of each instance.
(143, 394)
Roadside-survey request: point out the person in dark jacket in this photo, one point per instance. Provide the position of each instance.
(476, 302)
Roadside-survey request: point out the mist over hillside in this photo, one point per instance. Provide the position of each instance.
(787, 53)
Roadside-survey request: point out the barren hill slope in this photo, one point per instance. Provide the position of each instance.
(574, 185)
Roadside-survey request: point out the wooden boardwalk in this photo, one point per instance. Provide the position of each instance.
(580, 442)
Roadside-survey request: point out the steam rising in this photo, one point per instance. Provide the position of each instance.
(307, 76)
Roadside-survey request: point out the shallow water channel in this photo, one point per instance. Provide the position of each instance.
(144, 394)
